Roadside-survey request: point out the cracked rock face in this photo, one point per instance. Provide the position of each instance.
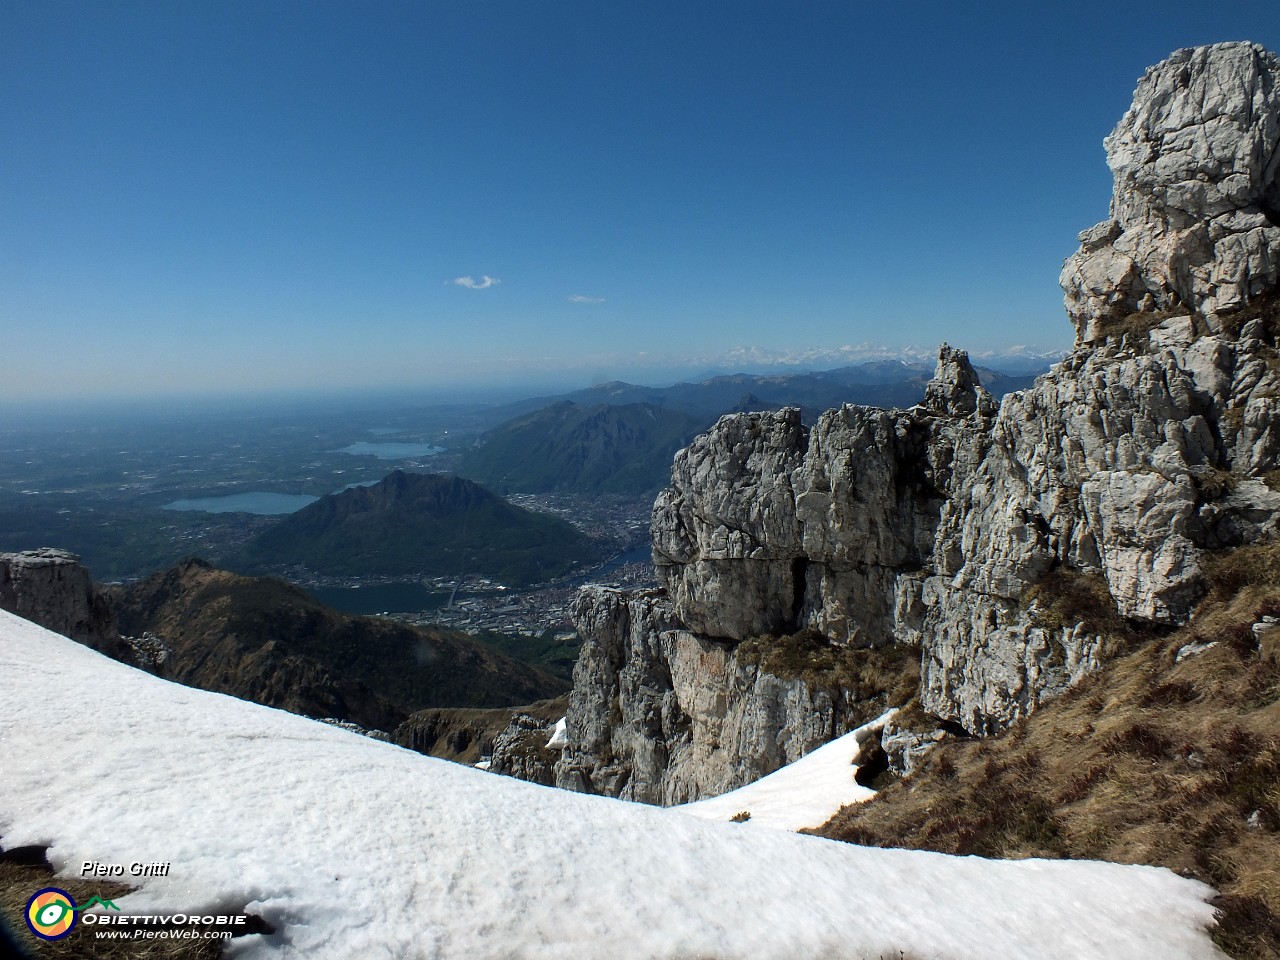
(51, 588)
(1195, 215)
(1151, 444)
(661, 715)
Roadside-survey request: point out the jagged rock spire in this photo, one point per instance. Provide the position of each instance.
(1195, 213)
(955, 389)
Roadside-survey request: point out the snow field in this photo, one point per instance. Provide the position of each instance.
(354, 848)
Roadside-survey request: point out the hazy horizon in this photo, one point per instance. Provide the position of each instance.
(231, 199)
(35, 412)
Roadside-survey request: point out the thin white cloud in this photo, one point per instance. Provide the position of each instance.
(579, 298)
(471, 283)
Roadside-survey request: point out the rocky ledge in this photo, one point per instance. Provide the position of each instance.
(51, 587)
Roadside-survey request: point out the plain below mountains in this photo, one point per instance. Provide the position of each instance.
(426, 525)
(264, 640)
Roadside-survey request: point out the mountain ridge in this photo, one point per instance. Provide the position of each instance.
(268, 641)
(881, 382)
(605, 448)
(428, 525)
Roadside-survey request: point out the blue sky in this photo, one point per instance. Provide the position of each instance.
(239, 196)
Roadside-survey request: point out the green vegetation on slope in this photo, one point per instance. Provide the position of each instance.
(568, 447)
(264, 640)
(1150, 760)
(548, 651)
(428, 525)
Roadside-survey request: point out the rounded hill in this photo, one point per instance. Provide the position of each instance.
(430, 525)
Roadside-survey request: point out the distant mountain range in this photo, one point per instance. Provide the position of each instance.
(569, 446)
(879, 383)
(264, 640)
(619, 437)
(430, 525)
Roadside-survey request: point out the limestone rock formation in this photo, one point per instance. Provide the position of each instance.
(51, 588)
(953, 527)
(522, 750)
(662, 715)
(1195, 218)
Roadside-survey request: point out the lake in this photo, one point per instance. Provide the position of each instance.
(391, 451)
(262, 502)
(382, 598)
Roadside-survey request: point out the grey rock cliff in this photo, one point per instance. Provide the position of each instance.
(1195, 217)
(1153, 443)
(662, 715)
(521, 750)
(51, 588)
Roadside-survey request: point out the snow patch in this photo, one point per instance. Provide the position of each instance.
(806, 793)
(559, 739)
(349, 847)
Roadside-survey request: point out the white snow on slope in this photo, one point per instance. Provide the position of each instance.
(560, 735)
(804, 793)
(356, 848)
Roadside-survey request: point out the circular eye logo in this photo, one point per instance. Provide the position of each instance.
(51, 913)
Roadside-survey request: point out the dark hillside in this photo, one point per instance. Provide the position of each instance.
(263, 640)
(569, 447)
(428, 525)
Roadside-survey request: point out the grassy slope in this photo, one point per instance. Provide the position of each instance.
(1148, 761)
(264, 640)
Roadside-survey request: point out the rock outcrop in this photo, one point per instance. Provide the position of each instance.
(660, 714)
(951, 528)
(523, 750)
(51, 587)
(1195, 217)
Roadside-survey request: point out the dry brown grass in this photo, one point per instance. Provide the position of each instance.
(878, 677)
(1148, 761)
(1066, 597)
(1136, 327)
(1265, 308)
(18, 881)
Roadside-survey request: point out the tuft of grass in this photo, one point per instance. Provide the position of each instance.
(1065, 597)
(1246, 926)
(1265, 308)
(876, 676)
(1137, 326)
(1230, 572)
(1214, 483)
